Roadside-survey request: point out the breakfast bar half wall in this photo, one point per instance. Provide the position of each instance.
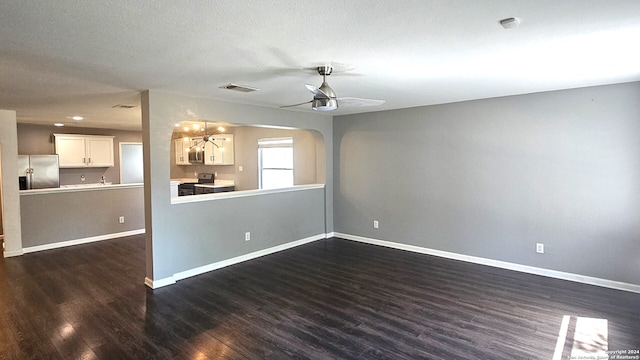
(53, 218)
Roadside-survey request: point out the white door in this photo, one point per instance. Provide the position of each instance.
(131, 163)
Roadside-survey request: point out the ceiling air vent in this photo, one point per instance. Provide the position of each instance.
(120, 106)
(241, 88)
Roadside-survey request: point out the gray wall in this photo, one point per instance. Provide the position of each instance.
(304, 155)
(71, 215)
(307, 159)
(491, 178)
(38, 139)
(181, 237)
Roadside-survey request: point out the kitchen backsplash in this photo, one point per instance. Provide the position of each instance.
(92, 176)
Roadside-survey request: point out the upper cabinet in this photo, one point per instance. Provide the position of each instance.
(76, 151)
(182, 151)
(220, 152)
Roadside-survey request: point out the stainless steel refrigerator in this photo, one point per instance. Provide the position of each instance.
(38, 171)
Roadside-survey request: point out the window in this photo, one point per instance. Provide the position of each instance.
(275, 162)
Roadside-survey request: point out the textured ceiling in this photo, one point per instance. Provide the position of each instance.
(62, 58)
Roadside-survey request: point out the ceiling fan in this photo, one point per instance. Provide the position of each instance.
(325, 99)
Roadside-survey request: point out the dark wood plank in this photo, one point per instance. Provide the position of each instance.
(331, 299)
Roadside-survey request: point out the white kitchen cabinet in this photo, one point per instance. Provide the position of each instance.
(209, 154)
(222, 152)
(76, 151)
(181, 151)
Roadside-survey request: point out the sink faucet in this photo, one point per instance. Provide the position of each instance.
(102, 180)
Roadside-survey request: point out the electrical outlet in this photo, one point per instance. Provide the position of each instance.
(540, 248)
(376, 224)
(121, 219)
(247, 236)
(240, 168)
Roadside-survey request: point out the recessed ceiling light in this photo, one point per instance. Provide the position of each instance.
(77, 118)
(510, 23)
(58, 124)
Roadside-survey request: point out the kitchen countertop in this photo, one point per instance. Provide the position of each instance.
(216, 183)
(85, 185)
(186, 180)
(80, 187)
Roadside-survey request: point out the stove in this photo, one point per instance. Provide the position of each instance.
(188, 188)
(206, 178)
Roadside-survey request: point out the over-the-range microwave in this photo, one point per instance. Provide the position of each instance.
(196, 157)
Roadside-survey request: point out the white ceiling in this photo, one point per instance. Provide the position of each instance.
(63, 58)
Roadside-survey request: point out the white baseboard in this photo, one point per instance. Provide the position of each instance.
(618, 285)
(154, 284)
(61, 244)
(13, 253)
(159, 283)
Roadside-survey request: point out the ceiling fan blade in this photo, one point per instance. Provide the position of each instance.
(288, 106)
(316, 91)
(359, 102)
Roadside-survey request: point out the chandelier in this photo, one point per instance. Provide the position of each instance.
(204, 136)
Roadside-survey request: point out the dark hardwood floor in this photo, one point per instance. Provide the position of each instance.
(332, 299)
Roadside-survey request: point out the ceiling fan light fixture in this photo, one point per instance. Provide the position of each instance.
(324, 104)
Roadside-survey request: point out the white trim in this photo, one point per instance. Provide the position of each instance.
(159, 283)
(154, 284)
(241, 193)
(618, 285)
(13, 253)
(60, 244)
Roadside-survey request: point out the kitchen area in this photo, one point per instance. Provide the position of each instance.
(78, 185)
(200, 150)
(212, 157)
(95, 197)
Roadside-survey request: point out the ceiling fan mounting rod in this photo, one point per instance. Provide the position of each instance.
(325, 70)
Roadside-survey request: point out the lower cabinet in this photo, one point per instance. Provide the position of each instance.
(207, 190)
(224, 189)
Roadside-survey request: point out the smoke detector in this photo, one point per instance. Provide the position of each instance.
(510, 23)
